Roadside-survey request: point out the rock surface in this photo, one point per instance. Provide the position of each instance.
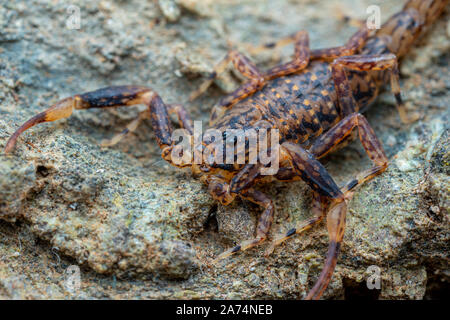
(139, 228)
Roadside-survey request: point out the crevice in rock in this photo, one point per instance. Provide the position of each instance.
(354, 290)
(438, 287)
(211, 222)
(42, 171)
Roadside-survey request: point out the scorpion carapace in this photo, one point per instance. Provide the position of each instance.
(314, 101)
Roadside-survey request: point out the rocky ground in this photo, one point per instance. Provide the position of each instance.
(141, 229)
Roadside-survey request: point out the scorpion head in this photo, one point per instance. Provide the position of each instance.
(189, 155)
(214, 154)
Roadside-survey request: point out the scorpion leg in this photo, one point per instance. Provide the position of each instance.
(107, 97)
(249, 70)
(258, 78)
(184, 120)
(264, 222)
(220, 191)
(355, 43)
(366, 63)
(309, 169)
(300, 61)
(333, 137)
(336, 215)
(316, 176)
(130, 128)
(176, 109)
(242, 64)
(319, 208)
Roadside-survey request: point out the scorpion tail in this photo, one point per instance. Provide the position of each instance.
(406, 26)
(60, 110)
(336, 227)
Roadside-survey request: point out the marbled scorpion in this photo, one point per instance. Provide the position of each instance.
(314, 101)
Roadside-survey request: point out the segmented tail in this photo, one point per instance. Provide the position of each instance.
(405, 27)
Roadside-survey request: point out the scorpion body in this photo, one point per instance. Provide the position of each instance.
(314, 101)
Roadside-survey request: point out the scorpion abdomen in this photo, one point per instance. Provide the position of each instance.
(301, 106)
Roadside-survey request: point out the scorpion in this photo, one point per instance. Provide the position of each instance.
(315, 101)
